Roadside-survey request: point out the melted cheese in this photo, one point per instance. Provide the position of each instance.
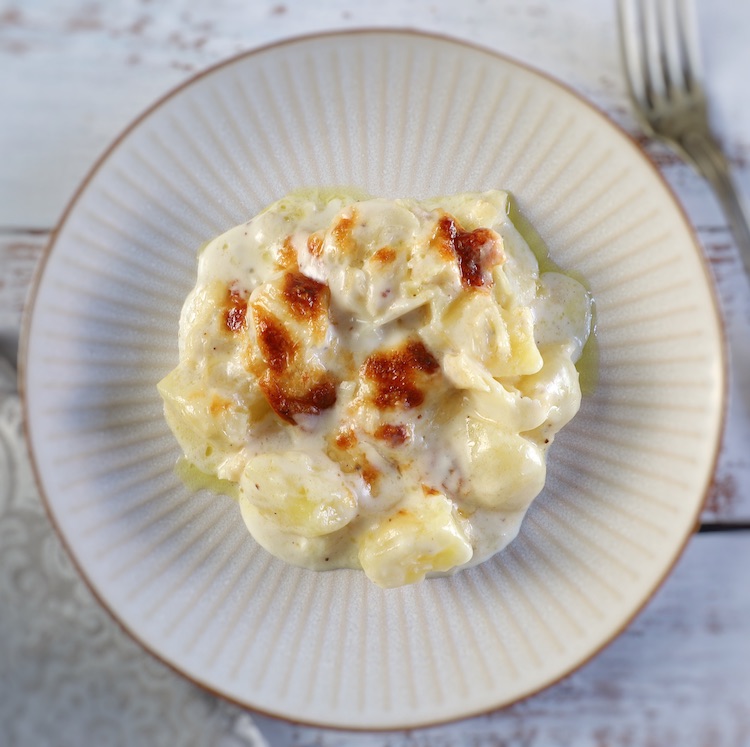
(381, 379)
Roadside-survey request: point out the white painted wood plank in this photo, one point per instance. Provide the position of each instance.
(679, 676)
(729, 497)
(19, 254)
(76, 72)
(73, 73)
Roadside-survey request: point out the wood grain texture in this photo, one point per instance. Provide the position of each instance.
(679, 675)
(729, 496)
(74, 73)
(77, 72)
(19, 253)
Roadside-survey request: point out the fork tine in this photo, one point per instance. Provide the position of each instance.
(631, 50)
(687, 34)
(660, 50)
(651, 31)
(668, 46)
(641, 44)
(677, 49)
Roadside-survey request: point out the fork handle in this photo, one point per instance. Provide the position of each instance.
(711, 162)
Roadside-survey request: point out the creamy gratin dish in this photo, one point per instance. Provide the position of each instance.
(380, 379)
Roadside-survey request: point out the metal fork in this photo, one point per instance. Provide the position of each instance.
(660, 54)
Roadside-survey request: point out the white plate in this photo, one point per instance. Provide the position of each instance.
(396, 114)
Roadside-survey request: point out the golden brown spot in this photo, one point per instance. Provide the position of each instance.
(476, 252)
(442, 238)
(370, 475)
(395, 435)
(346, 439)
(350, 457)
(286, 402)
(395, 374)
(427, 490)
(307, 298)
(342, 234)
(235, 310)
(315, 244)
(292, 382)
(276, 344)
(385, 255)
(287, 256)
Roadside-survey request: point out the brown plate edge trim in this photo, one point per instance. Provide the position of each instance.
(99, 163)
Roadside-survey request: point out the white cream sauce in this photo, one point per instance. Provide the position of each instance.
(450, 358)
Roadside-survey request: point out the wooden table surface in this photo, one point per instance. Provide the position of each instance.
(74, 73)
